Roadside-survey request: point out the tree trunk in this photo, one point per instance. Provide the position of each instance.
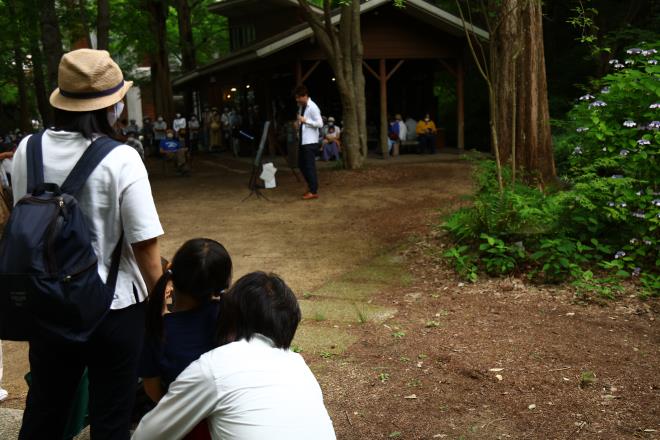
(103, 24)
(517, 66)
(41, 94)
(160, 66)
(19, 62)
(343, 48)
(187, 43)
(51, 39)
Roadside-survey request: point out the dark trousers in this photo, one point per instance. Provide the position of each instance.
(111, 356)
(307, 165)
(426, 144)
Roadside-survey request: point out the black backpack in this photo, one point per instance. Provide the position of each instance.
(49, 281)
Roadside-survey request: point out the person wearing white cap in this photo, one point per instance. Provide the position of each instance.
(120, 213)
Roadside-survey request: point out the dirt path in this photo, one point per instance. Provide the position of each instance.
(401, 348)
(308, 243)
(494, 360)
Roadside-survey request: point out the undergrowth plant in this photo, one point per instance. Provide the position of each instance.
(603, 226)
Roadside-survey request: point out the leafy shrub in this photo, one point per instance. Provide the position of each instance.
(606, 220)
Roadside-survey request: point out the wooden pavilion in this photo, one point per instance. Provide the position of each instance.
(273, 49)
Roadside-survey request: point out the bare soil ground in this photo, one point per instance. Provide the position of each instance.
(401, 348)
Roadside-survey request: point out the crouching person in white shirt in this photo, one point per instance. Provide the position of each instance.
(252, 387)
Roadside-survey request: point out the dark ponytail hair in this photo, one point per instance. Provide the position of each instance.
(201, 269)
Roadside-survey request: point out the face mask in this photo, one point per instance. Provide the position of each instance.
(114, 114)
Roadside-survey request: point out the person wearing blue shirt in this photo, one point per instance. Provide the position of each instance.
(172, 147)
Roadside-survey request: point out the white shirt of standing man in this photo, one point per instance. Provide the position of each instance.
(311, 123)
(246, 391)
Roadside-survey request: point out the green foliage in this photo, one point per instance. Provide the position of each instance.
(605, 221)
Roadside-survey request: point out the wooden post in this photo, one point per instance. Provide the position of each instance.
(382, 76)
(460, 103)
(298, 72)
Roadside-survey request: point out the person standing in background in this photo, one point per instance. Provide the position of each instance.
(207, 116)
(160, 131)
(309, 123)
(193, 133)
(178, 124)
(148, 134)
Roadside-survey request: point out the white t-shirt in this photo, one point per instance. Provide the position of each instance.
(245, 391)
(313, 123)
(117, 195)
(178, 124)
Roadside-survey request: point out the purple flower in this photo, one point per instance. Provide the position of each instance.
(605, 90)
(653, 62)
(619, 66)
(647, 242)
(634, 51)
(577, 151)
(629, 123)
(653, 125)
(582, 129)
(587, 97)
(649, 52)
(633, 241)
(639, 193)
(619, 254)
(639, 214)
(598, 104)
(630, 62)
(656, 202)
(623, 152)
(613, 61)
(636, 271)
(611, 204)
(654, 105)
(617, 176)
(643, 142)
(623, 204)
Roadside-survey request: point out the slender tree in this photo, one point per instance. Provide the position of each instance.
(19, 64)
(160, 66)
(102, 24)
(51, 39)
(187, 43)
(342, 45)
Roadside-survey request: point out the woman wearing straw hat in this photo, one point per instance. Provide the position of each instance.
(116, 199)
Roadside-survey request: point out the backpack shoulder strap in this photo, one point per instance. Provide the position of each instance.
(90, 159)
(35, 162)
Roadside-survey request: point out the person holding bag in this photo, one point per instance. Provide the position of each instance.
(77, 163)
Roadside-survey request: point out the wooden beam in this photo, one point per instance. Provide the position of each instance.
(372, 71)
(383, 108)
(449, 68)
(310, 70)
(393, 71)
(460, 102)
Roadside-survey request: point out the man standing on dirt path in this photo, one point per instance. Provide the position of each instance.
(309, 123)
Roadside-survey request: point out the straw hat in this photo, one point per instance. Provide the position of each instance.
(88, 80)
